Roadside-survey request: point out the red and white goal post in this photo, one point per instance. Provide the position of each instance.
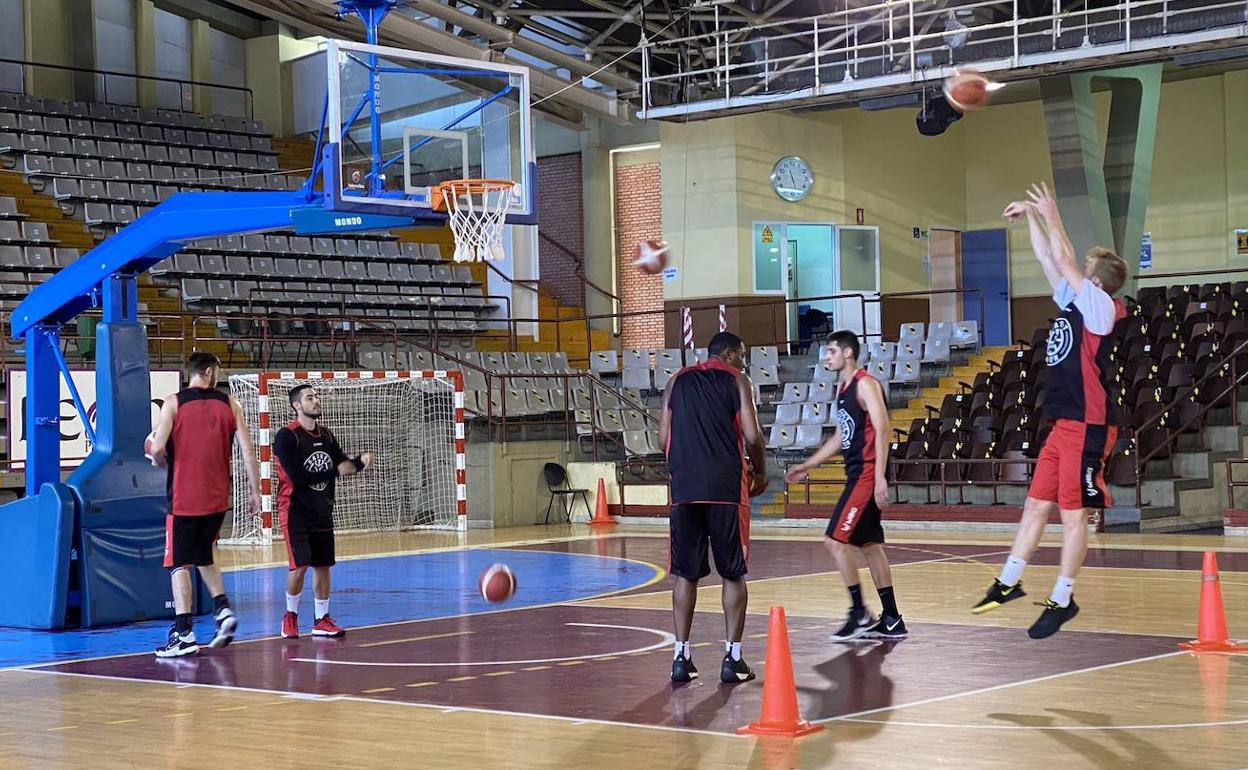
(413, 422)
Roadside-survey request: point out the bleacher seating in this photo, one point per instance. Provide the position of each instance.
(107, 165)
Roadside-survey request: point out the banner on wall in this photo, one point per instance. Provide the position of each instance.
(74, 444)
(1146, 251)
(1241, 241)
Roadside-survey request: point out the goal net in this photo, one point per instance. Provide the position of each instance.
(412, 422)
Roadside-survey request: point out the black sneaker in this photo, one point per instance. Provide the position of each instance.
(855, 626)
(998, 593)
(227, 624)
(1051, 620)
(178, 645)
(683, 669)
(888, 628)
(734, 671)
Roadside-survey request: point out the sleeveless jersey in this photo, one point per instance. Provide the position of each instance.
(705, 450)
(199, 452)
(1078, 386)
(857, 432)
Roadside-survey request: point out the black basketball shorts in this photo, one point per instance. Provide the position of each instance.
(723, 527)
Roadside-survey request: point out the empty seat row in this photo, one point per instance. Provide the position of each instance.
(189, 264)
(168, 155)
(86, 128)
(34, 233)
(123, 113)
(38, 168)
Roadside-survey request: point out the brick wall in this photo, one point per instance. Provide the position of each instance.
(638, 217)
(561, 221)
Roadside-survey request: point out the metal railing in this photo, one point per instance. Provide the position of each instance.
(903, 43)
(249, 97)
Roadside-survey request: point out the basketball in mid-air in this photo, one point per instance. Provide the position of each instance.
(651, 256)
(968, 90)
(498, 583)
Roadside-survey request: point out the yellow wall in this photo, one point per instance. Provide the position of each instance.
(877, 161)
(47, 42)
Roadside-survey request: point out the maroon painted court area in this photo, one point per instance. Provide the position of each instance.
(599, 663)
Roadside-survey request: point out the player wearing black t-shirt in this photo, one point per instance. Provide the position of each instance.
(309, 460)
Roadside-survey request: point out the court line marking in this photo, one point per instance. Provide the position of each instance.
(1007, 685)
(770, 579)
(417, 638)
(1101, 728)
(660, 573)
(409, 704)
(666, 639)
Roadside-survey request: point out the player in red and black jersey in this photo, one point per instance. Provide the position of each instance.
(194, 440)
(714, 447)
(309, 460)
(1079, 398)
(861, 437)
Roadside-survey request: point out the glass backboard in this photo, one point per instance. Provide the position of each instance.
(400, 122)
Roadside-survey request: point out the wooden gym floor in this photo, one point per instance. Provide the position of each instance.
(574, 669)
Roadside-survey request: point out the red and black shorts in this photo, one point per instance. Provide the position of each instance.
(309, 540)
(1071, 468)
(724, 527)
(856, 519)
(189, 539)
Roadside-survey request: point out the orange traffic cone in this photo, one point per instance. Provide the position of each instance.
(779, 713)
(601, 518)
(1211, 634)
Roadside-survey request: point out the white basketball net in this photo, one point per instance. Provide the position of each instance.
(477, 209)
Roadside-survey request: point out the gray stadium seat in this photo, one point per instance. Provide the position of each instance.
(794, 393)
(781, 437)
(788, 414)
(604, 362)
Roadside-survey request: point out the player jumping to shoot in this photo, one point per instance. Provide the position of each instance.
(861, 436)
(309, 460)
(1069, 474)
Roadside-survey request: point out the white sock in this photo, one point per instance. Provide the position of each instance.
(292, 603)
(1012, 571)
(1063, 589)
(733, 649)
(682, 648)
(322, 608)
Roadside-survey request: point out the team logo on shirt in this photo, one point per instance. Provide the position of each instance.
(847, 428)
(316, 462)
(1061, 340)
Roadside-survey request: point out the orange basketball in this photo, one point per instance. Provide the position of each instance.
(651, 257)
(967, 91)
(497, 583)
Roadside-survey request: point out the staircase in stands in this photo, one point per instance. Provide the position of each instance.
(916, 408)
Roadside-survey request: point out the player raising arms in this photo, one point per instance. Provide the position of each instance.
(193, 439)
(861, 436)
(1069, 474)
(309, 460)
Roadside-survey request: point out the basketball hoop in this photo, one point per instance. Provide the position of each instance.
(477, 210)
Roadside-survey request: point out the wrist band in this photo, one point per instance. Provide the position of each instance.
(359, 465)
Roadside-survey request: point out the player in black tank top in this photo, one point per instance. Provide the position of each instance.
(861, 437)
(709, 431)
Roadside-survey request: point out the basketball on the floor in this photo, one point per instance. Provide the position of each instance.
(498, 583)
(651, 256)
(968, 90)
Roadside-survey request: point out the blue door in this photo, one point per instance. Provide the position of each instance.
(986, 266)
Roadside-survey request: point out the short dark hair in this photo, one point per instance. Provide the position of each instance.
(200, 362)
(721, 342)
(296, 392)
(845, 340)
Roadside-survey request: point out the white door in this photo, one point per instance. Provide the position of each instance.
(858, 271)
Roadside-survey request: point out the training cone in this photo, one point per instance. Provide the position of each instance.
(601, 518)
(779, 714)
(1211, 634)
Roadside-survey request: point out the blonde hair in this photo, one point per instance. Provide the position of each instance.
(1110, 268)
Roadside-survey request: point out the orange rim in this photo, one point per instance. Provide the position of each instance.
(469, 186)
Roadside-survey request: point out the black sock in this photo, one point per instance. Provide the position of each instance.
(220, 602)
(855, 594)
(889, 601)
(182, 623)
